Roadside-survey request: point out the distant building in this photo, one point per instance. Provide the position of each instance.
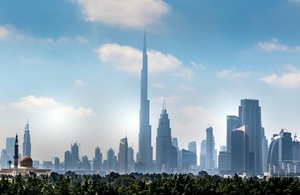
(26, 141)
(111, 160)
(203, 155)
(224, 162)
(55, 163)
(164, 143)
(5, 159)
(238, 150)
(123, 156)
(75, 155)
(86, 165)
(210, 149)
(10, 142)
(97, 162)
(250, 116)
(192, 146)
(131, 167)
(233, 122)
(145, 158)
(264, 151)
(68, 160)
(189, 160)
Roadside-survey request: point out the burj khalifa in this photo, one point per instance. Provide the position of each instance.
(145, 148)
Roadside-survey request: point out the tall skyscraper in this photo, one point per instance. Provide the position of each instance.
(97, 162)
(75, 154)
(145, 148)
(192, 146)
(16, 156)
(123, 155)
(26, 141)
(250, 116)
(203, 155)
(210, 149)
(131, 162)
(233, 122)
(238, 150)
(10, 142)
(164, 142)
(264, 151)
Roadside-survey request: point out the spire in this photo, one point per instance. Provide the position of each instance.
(164, 104)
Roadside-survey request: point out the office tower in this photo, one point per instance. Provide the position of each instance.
(131, 167)
(232, 123)
(175, 144)
(210, 149)
(26, 141)
(86, 165)
(55, 163)
(280, 152)
(203, 155)
(111, 160)
(4, 159)
(145, 148)
(250, 115)
(264, 151)
(75, 154)
(68, 160)
(189, 160)
(224, 160)
(238, 150)
(123, 155)
(97, 162)
(192, 146)
(10, 142)
(163, 142)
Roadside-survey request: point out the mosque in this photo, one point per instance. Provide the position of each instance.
(25, 166)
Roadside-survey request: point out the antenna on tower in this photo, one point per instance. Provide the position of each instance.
(164, 105)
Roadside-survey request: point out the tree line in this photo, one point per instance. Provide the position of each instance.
(136, 183)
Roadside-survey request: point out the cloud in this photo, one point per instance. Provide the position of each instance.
(4, 32)
(200, 67)
(232, 74)
(272, 45)
(78, 83)
(129, 59)
(289, 79)
(295, 1)
(48, 105)
(135, 14)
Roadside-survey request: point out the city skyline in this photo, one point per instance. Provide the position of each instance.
(76, 74)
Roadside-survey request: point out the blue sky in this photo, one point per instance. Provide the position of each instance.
(73, 68)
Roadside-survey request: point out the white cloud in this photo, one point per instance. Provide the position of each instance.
(272, 45)
(78, 83)
(129, 59)
(200, 67)
(232, 74)
(295, 1)
(48, 105)
(137, 14)
(4, 32)
(289, 79)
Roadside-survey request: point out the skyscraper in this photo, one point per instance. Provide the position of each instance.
(10, 142)
(97, 162)
(238, 150)
(232, 123)
(210, 149)
(250, 116)
(203, 155)
(145, 148)
(26, 141)
(192, 146)
(164, 142)
(123, 155)
(75, 154)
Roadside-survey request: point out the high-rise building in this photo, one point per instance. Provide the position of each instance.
(192, 146)
(75, 154)
(123, 156)
(86, 165)
(16, 156)
(10, 142)
(164, 142)
(238, 150)
(203, 155)
(4, 159)
(189, 160)
(210, 149)
(55, 163)
(232, 123)
(111, 160)
(264, 151)
(145, 148)
(26, 141)
(131, 162)
(68, 160)
(250, 116)
(97, 160)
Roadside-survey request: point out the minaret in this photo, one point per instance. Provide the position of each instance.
(145, 148)
(26, 142)
(16, 156)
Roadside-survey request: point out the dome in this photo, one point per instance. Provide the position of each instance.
(26, 161)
